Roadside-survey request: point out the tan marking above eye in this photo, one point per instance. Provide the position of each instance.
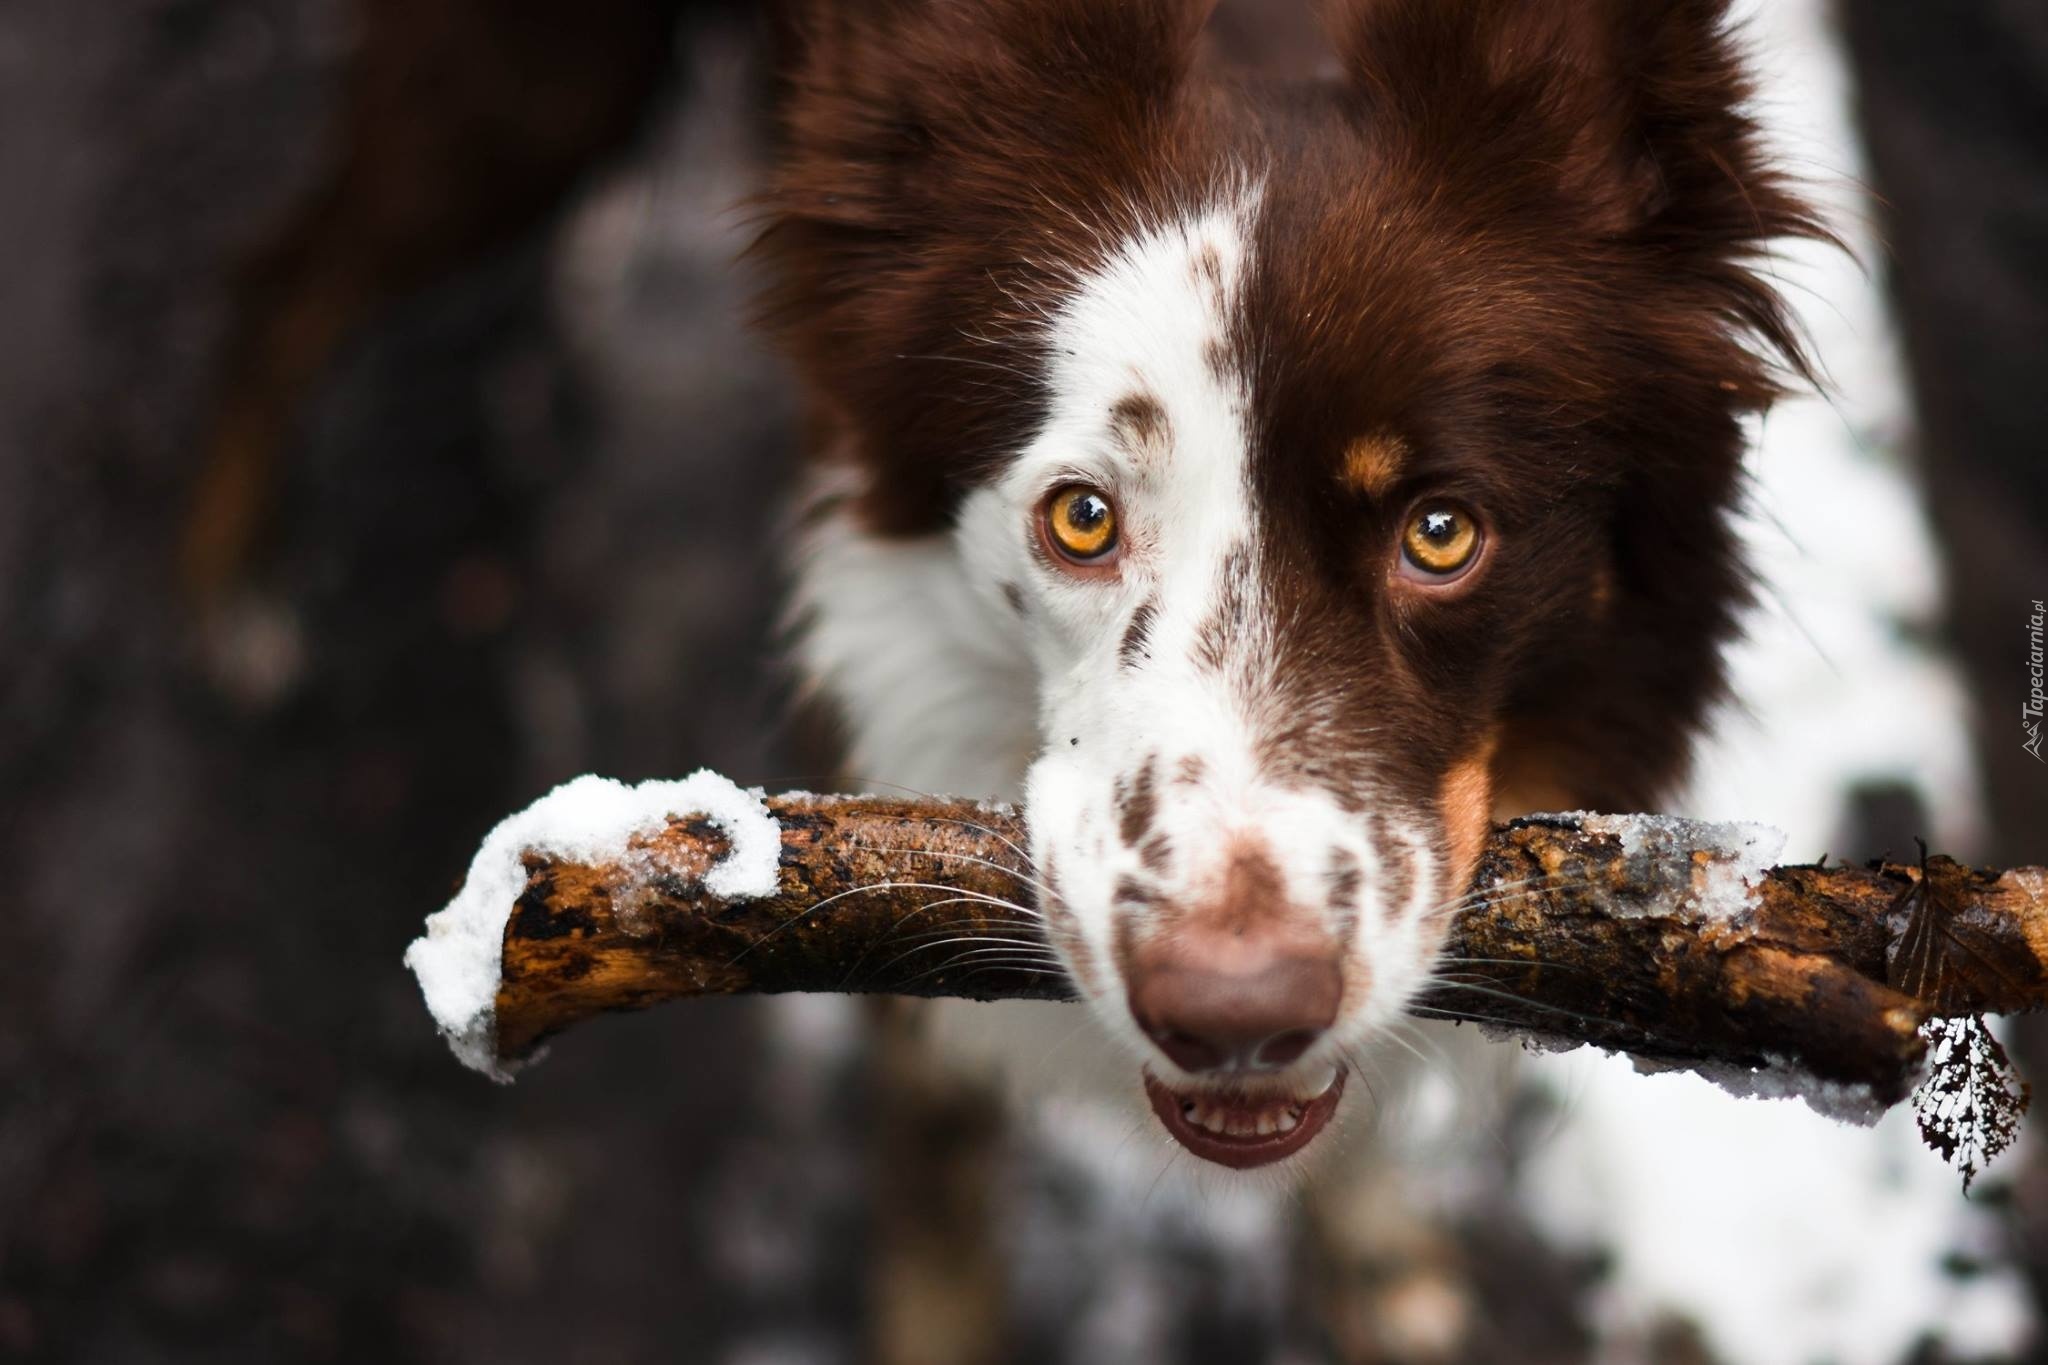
(1373, 464)
(1080, 523)
(1440, 541)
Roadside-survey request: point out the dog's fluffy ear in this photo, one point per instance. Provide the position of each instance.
(932, 155)
(892, 106)
(1631, 108)
(1625, 118)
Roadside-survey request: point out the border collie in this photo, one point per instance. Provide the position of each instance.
(1271, 482)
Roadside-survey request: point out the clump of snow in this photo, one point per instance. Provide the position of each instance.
(1719, 886)
(1530, 1040)
(1750, 849)
(590, 820)
(1781, 1078)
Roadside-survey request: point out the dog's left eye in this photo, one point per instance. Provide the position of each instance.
(1440, 542)
(1080, 522)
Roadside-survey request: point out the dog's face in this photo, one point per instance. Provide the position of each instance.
(1336, 455)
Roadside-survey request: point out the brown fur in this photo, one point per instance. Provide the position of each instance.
(1254, 893)
(1137, 634)
(1141, 426)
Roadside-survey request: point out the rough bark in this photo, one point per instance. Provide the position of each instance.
(1573, 934)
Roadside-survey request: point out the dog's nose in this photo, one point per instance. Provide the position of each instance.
(1221, 1002)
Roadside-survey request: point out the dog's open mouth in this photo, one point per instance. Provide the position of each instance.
(1242, 1130)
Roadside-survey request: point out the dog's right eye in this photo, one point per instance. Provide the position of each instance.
(1080, 524)
(1440, 543)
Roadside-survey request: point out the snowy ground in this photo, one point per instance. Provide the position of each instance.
(1787, 1237)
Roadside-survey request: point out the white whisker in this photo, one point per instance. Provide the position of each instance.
(813, 908)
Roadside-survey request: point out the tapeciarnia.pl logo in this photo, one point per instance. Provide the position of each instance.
(2037, 700)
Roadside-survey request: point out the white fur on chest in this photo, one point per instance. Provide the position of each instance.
(934, 687)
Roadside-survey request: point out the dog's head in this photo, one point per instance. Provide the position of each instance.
(1338, 454)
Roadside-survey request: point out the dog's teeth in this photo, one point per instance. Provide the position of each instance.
(1240, 1120)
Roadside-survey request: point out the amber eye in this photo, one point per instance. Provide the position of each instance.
(1080, 523)
(1440, 542)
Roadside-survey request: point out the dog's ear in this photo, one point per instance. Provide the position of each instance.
(1631, 109)
(932, 156)
(891, 108)
(1625, 119)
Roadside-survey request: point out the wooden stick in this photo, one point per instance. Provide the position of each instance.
(1638, 934)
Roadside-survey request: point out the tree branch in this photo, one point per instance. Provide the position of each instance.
(1661, 938)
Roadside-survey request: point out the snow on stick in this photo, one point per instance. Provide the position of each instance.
(1670, 940)
(591, 821)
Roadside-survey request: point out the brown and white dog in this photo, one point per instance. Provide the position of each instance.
(1271, 481)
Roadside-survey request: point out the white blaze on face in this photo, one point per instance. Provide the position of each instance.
(1147, 404)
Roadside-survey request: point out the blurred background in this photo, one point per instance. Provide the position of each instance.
(381, 443)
